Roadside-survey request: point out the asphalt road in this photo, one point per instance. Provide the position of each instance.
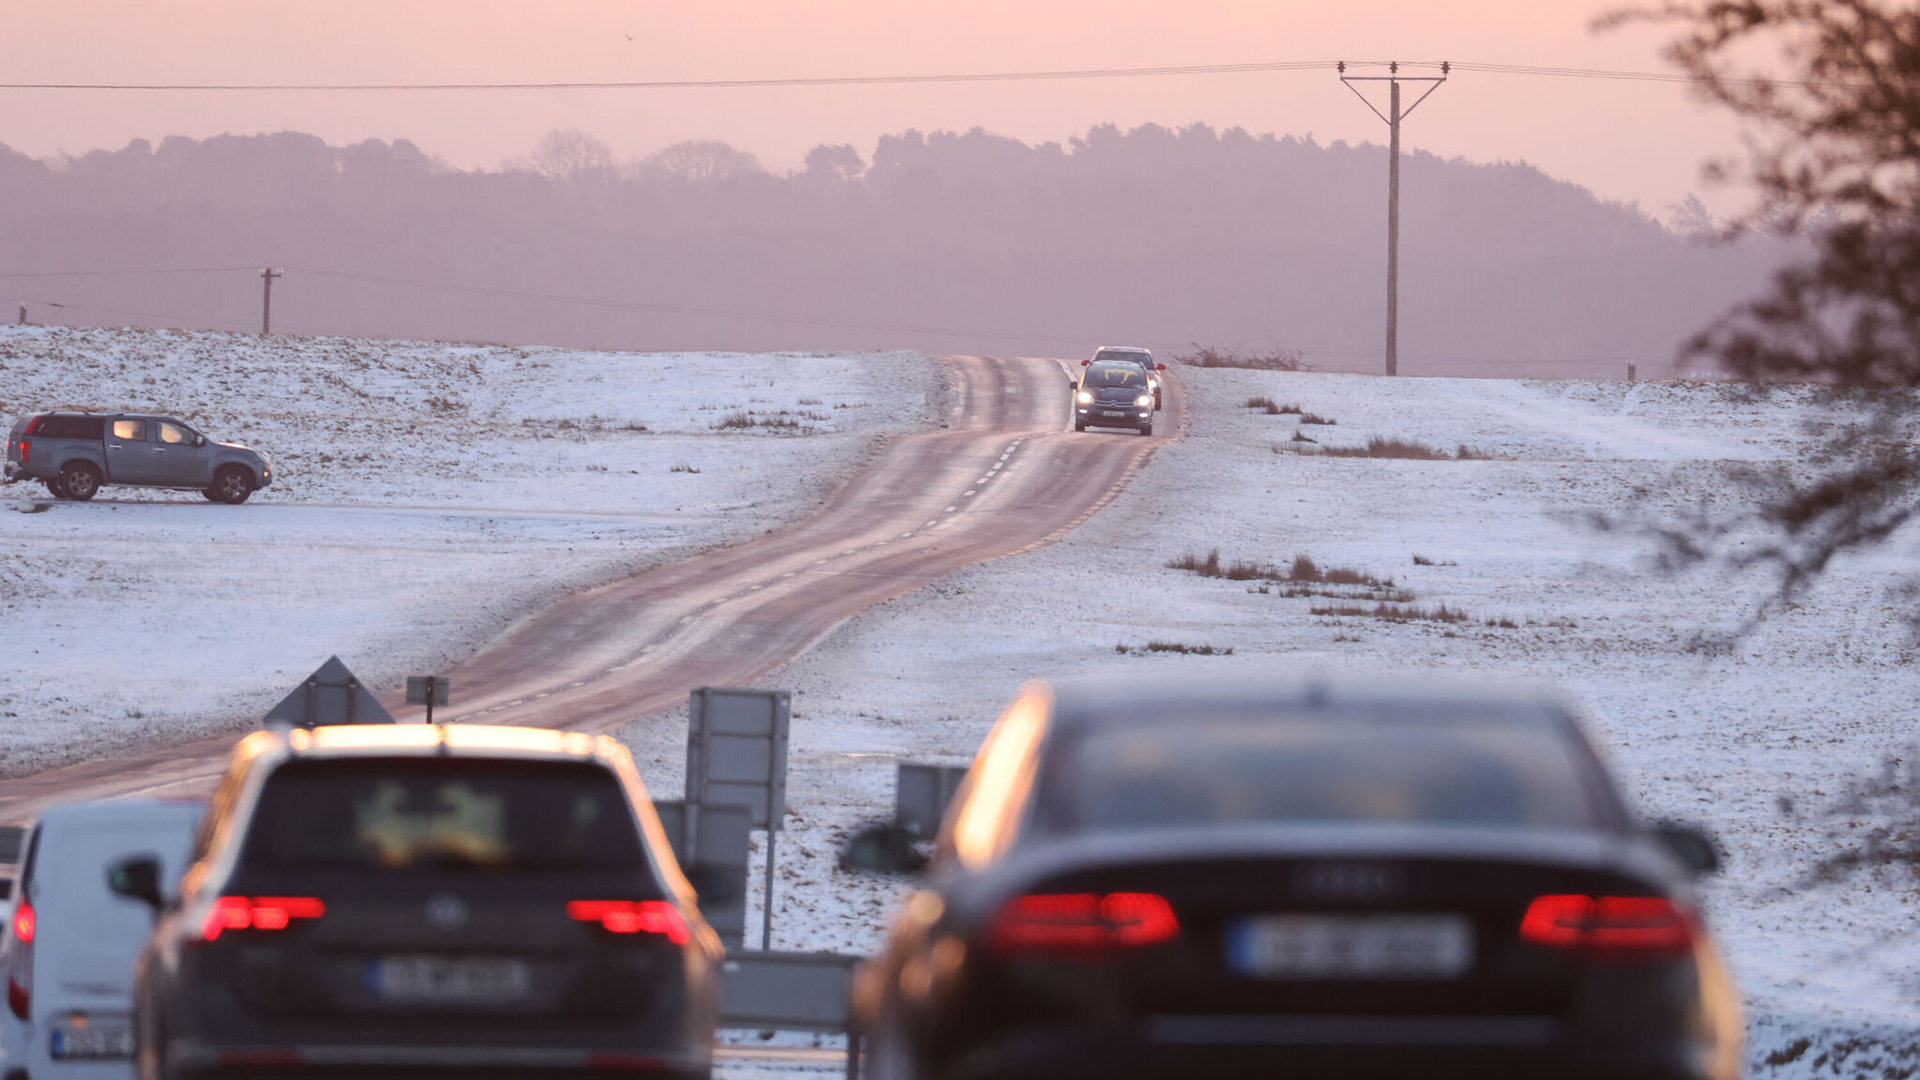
(1008, 474)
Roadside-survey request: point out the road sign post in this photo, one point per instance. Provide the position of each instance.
(428, 690)
(737, 756)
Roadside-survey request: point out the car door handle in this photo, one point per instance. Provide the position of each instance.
(115, 446)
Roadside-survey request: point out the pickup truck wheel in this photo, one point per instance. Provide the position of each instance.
(54, 489)
(79, 481)
(231, 485)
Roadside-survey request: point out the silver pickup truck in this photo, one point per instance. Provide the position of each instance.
(76, 453)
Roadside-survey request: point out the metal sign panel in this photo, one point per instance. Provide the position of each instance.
(331, 695)
(737, 751)
(718, 869)
(794, 991)
(921, 794)
(427, 689)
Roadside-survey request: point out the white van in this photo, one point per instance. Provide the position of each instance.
(67, 952)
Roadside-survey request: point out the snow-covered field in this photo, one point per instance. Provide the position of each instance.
(426, 495)
(1775, 746)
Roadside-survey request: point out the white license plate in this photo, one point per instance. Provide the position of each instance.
(1113, 412)
(443, 980)
(93, 1037)
(1352, 947)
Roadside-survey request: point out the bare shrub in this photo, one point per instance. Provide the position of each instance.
(1210, 356)
(1173, 647)
(1316, 418)
(1395, 612)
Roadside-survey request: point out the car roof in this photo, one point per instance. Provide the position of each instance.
(1096, 701)
(1124, 348)
(114, 811)
(432, 740)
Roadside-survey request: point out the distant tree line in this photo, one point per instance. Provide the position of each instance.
(950, 241)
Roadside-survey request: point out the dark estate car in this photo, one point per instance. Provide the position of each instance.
(426, 901)
(1298, 879)
(1132, 354)
(76, 454)
(1113, 395)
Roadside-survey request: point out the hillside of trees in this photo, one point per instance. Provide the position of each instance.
(964, 242)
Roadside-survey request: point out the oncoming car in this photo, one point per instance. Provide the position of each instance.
(1112, 395)
(1298, 878)
(1133, 355)
(425, 900)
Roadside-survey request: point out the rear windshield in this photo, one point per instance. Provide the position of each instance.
(70, 427)
(430, 814)
(1345, 769)
(1116, 375)
(1122, 358)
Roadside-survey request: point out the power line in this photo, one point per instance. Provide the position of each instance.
(1251, 68)
(721, 84)
(121, 273)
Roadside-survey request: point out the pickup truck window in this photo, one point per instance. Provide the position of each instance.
(174, 434)
(69, 427)
(130, 430)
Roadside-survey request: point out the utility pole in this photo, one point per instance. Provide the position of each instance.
(1393, 116)
(267, 274)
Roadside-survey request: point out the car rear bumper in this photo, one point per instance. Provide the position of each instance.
(193, 1057)
(1346, 1046)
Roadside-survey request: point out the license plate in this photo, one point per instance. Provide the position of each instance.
(92, 1037)
(1352, 947)
(1113, 412)
(440, 980)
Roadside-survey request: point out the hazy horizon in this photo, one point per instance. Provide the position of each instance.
(1625, 141)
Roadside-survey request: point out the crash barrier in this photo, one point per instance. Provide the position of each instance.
(793, 992)
(920, 797)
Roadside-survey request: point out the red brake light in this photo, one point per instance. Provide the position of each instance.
(1610, 927)
(33, 425)
(632, 917)
(20, 964)
(1083, 925)
(257, 913)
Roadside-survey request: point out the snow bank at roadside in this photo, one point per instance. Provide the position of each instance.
(426, 495)
(1768, 745)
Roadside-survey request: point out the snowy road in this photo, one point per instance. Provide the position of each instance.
(1004, 477)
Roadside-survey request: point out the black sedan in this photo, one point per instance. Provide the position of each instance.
(1295, 879)
(426, 901)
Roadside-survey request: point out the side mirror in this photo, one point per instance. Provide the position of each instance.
(882, 849)
(1694, 847)
(1159, 367)
(1086, 363)
(137, 877)
(199, 440)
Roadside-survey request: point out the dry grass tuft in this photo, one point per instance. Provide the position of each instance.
(1210, 356)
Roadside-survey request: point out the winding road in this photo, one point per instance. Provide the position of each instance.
(1008, 474)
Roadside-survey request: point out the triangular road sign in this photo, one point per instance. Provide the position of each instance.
(331, 695)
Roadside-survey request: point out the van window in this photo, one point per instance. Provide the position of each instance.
(400, 815)
(130, 430)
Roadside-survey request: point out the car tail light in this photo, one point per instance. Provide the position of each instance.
(257, 913)
(633, 917)
(26, 448)
(20, 961)
(1084, 926)
(1610, 928)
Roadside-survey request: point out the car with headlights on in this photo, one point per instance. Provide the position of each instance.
(425, 901)
(1132, 354)
(1354, 877)
(1112, 395)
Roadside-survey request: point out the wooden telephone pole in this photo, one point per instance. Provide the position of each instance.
(267, 274)
(1393, 116)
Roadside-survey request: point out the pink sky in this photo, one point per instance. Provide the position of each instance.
(1624, 140)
